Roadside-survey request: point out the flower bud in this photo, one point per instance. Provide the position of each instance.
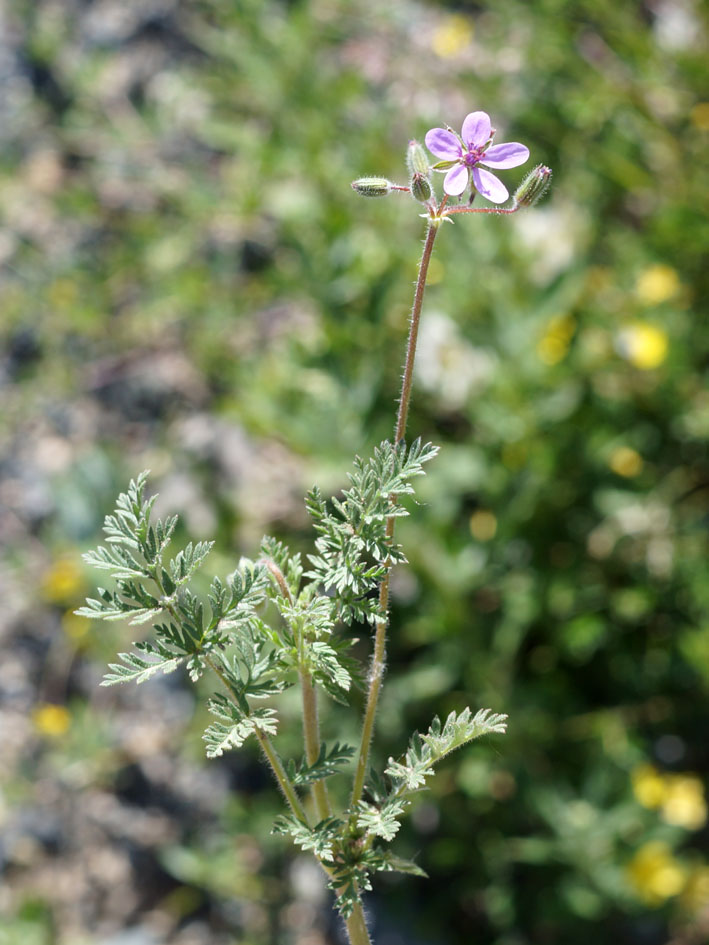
(372, 186)
(420, 188)
(534, 186)
(417, 160)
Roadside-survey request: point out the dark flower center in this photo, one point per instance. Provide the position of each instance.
(473, 155)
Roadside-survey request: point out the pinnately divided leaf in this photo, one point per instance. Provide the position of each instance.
(381, 821)
(327, 763)
(354, 548)
(234, 725)
(319, 839)
(134, 668)
(425, 750)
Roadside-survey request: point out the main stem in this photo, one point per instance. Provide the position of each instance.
(377, 671)
(357, 927)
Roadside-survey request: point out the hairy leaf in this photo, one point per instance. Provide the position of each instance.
(135, 668)
(425, 750)
(234, 725)
(319, 839)
(327, 763)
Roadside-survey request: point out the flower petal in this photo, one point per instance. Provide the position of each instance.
(510, 154)
(476, 129)
(489, 186)
(443, 144)
(456, 180)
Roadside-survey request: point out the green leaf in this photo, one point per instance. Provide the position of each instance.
(381, 821)
(187, 561)
(386, 861)
(320, 839)
(425, 750)
(134, 668)
(328, 671)
(327, 763)
(234, 725)
(354, 549)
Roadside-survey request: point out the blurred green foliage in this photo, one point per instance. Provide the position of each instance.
(189, 283)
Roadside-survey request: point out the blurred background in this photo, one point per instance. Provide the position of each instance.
(188, 284)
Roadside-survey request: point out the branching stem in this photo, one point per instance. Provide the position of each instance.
(264, 741)
(271, 755)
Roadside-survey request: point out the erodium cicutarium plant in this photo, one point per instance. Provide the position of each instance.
(280, 621)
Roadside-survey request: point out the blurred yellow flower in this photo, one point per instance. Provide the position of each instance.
(52, 720)
(699, 116)
(684, 804)
(553, 345)
(452, 36)
(680, 797)
(483, 525)
(657, 284)
(625, 461)
(648, 786)
(62, 582)
(655, 874)
(76, 628)
(644, 345)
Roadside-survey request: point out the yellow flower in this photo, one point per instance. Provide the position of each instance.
(648, 786)
(655, 874)
(644, 345)
(625, 461)
(51, 720)
(553, 345)
(452, 36)
(684, 804)
(657, 284)
(680, 797)
(62, 582)
(76, 628)
(483, 525)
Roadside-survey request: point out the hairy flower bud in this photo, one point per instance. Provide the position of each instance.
(534, 186)
(420, 188)
(372, 186)
(417, 160)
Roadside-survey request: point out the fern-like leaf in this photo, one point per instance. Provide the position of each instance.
(135, 668)
(326, 764)
(320, 838)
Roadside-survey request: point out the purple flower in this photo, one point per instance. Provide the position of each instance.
(461, 155)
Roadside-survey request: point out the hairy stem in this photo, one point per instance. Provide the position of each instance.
(378, 659)
(357, 927)
(497, 210)
(311, 723)
(311, 731)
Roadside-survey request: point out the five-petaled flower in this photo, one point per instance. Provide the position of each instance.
(461, 155)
